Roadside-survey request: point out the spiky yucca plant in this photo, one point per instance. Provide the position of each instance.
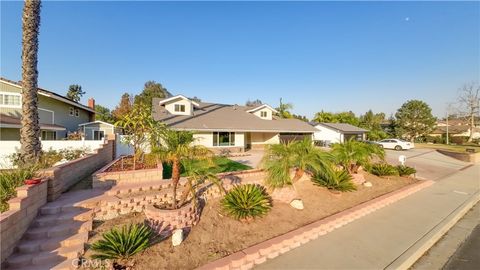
(245, 202)
(383, 169)
(337, 180)
(123, 243)
(405, 170)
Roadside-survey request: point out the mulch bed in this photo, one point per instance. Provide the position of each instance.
(217, 235)
(126, 164)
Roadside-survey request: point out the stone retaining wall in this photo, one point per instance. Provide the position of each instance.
(164, 222)
(467, 157)
(66, 175)
(23, 209)
(104, 179)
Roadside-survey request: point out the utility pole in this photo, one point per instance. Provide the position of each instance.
(447, 126)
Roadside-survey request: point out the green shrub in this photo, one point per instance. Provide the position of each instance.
(383, 169)
(50, 157)
(458, 139)
(10, 180)
(405, 170)
(245, 202)
(336, 180)
(123, 243)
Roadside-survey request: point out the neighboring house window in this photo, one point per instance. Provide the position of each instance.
(223, 138)
(77, 113)
(179, 108)
(263, 114)
(72, 111)
(98, 134)
(49, 135)
(10, 100)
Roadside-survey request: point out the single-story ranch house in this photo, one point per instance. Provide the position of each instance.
(328, 133)
(232, 127)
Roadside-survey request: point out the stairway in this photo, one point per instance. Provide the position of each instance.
(55, 238)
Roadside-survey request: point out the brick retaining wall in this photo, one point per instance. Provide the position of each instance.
(23, 209)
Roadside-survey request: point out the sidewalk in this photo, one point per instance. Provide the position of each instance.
(378, 240)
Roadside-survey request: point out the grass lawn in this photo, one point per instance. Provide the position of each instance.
(221, 164)
(454, 148)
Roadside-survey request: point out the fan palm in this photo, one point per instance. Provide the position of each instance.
(176, 146)
(30, 131)
(301, 156)
(352, 154)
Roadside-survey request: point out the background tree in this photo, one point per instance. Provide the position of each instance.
(414, 119)
(30, 131)
(469, 100)
(75, 92)
(341, 117)
(124, 107)
(324, 117)
(255, 103)
(104, 114)
(373, 122)
(151, 90)
(283, 109)
(300, 117)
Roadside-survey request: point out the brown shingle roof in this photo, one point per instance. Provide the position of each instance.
(222, 117)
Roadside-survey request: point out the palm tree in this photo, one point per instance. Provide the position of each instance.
(30, 131)
(176, 146)
(301, 156)
(352, 154)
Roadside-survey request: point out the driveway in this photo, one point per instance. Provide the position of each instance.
(429, 163)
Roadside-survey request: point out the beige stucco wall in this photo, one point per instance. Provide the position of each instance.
(170, 107)
(264, 138)
(269, 113)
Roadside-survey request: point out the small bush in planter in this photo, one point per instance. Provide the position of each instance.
(383, 169)
(10, 180)
(336, 180)
(122, 243)
(245, 202)
(405, 170)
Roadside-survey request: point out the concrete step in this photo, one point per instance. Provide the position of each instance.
(58, 255)
(59, 230)
(56, 208)
(31, 246)
(80, 214)
(54, 265)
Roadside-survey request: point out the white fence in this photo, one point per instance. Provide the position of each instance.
(8, 148)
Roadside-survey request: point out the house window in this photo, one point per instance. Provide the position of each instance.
(179, 108)
(10, 100)
(98, 134)
(48, 135)
(223, 138)
(77, 113)
(263, 114)
(71, 111)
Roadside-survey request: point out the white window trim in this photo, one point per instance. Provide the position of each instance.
(98, 130)
(179, 108)
(11, 94)
(229, 136)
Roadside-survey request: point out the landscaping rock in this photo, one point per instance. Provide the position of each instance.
(367, 184)
(177, 237)
(297, 204)
(358, 178)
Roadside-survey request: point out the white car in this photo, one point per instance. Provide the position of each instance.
(396, 144)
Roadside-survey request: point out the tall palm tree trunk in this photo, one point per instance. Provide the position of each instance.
(175, 180)
(30, 131)
(298, 174)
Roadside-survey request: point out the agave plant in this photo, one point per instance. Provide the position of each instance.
(352, 154)
(122, 244)
(245, 202)
(383, 169)
(405, 170)
(337, 180)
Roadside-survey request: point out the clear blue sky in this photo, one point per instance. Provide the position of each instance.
(333, 56)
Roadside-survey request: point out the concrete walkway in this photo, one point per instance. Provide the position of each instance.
(386, 237)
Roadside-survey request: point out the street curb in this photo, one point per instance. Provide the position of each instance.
(416, 251)
(269, 249)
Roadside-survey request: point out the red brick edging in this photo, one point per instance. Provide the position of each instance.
(259, 253)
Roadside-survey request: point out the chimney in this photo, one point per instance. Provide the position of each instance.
(91, 103)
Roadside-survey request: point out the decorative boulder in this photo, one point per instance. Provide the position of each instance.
(177, 237)
(367, 184)
(297, 204)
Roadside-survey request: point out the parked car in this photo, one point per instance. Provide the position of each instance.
(396, 144)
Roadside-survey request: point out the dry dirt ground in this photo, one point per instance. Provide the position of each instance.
(217, 235)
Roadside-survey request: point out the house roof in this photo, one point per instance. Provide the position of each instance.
(341, 127)
(223, 117)
(166, 100)
(254, 109)
(51, 95)
(7, 121)
(95, 122)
